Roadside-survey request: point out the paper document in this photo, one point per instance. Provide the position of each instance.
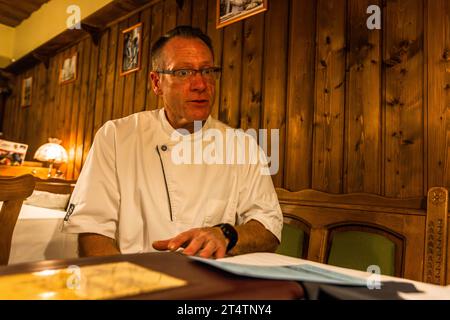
(279, 267)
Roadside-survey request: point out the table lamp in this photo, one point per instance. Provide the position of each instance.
(51, 152)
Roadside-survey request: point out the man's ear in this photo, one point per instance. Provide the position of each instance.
(154, 78)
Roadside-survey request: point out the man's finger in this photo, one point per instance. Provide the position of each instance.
(194, 246)
(208, 250)
(161, 244)
(180, 240)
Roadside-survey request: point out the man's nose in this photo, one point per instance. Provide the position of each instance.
(198, 82)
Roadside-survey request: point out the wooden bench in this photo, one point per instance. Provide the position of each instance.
(416, 227)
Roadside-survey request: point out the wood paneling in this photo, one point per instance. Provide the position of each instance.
(274, 80)
(330, 96)
(438, 90)
(358, 110)
(363, 102)
(300, 99)
(404, 80)
(13, 15)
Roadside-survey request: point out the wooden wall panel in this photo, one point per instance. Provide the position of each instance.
(170, 15)
(358, 110)
(199, 13)
(119, 86)
(363, 103)
(130, 80)
(156, 31)
(142, 78)
(330, 96)
(274, 78)
(216, 36)
(404, 131)
(252, 62)
(184, 15)
(84, 78)
(111, 73)
(90, 107)
(438, 89)
(300, 99)
(70, 143)
(231, 74)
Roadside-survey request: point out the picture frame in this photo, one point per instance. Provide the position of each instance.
(26, 94)
(68, 72)
(131, 49)
(230, 11)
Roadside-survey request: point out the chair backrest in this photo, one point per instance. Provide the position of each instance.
(12, 193)
(55, 185)
(404, 237)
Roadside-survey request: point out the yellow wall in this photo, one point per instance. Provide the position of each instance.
(46, 23)
(6, 45)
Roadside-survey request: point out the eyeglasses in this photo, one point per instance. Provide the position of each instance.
(209, 74)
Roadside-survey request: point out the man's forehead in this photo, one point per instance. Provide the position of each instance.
(181, 47)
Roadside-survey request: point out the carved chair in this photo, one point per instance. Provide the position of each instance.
(359, 230)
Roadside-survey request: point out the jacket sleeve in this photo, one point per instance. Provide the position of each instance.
(94, 204)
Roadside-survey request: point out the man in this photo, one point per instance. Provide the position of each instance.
(132, 197)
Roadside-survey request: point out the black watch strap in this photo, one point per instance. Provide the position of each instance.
(230, 233)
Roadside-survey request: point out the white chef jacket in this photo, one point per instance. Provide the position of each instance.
(131, 190)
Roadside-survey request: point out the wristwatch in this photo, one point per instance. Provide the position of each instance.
(230, 233)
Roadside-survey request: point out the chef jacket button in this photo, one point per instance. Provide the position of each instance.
(164, 147)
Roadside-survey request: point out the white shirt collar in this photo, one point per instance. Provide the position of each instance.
(167, 127)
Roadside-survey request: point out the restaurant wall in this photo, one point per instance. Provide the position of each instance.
(357, 110)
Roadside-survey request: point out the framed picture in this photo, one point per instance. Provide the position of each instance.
(25, 99)
(68, 72)
(131, 47)
(12, 153)
(229, 11)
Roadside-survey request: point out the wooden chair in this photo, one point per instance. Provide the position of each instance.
(55, 185)
(415, 229)
(12, 192)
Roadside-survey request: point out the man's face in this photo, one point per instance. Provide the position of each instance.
(189, 99)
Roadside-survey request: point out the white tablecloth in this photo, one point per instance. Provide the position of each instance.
(37, 236)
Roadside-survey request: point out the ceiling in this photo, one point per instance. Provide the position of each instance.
(13, 14)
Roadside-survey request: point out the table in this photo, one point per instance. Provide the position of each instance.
(37, 236)
(204, 282)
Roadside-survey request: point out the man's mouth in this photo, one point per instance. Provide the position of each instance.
(202, 101)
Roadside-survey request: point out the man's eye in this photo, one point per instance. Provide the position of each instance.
(182, 73)
(207, 72)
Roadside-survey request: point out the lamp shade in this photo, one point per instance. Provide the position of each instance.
(51, 152)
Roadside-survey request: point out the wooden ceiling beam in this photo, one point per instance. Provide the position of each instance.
(9, 21)
(94, 31)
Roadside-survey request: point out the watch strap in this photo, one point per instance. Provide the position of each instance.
(230, 233)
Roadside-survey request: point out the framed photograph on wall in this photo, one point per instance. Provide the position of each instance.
(131, 47)
(25, 97)
(68, 72)
(229, 11)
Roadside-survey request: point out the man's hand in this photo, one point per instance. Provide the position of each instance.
(204, 242)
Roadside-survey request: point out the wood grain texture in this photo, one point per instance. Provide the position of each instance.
(252, 62)
(404, 78)
(216, 36)
(300, 95)
(230, 93)
(274, 79)
(358, 110)
(363, 103)
(330, 96)
(438, 90)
